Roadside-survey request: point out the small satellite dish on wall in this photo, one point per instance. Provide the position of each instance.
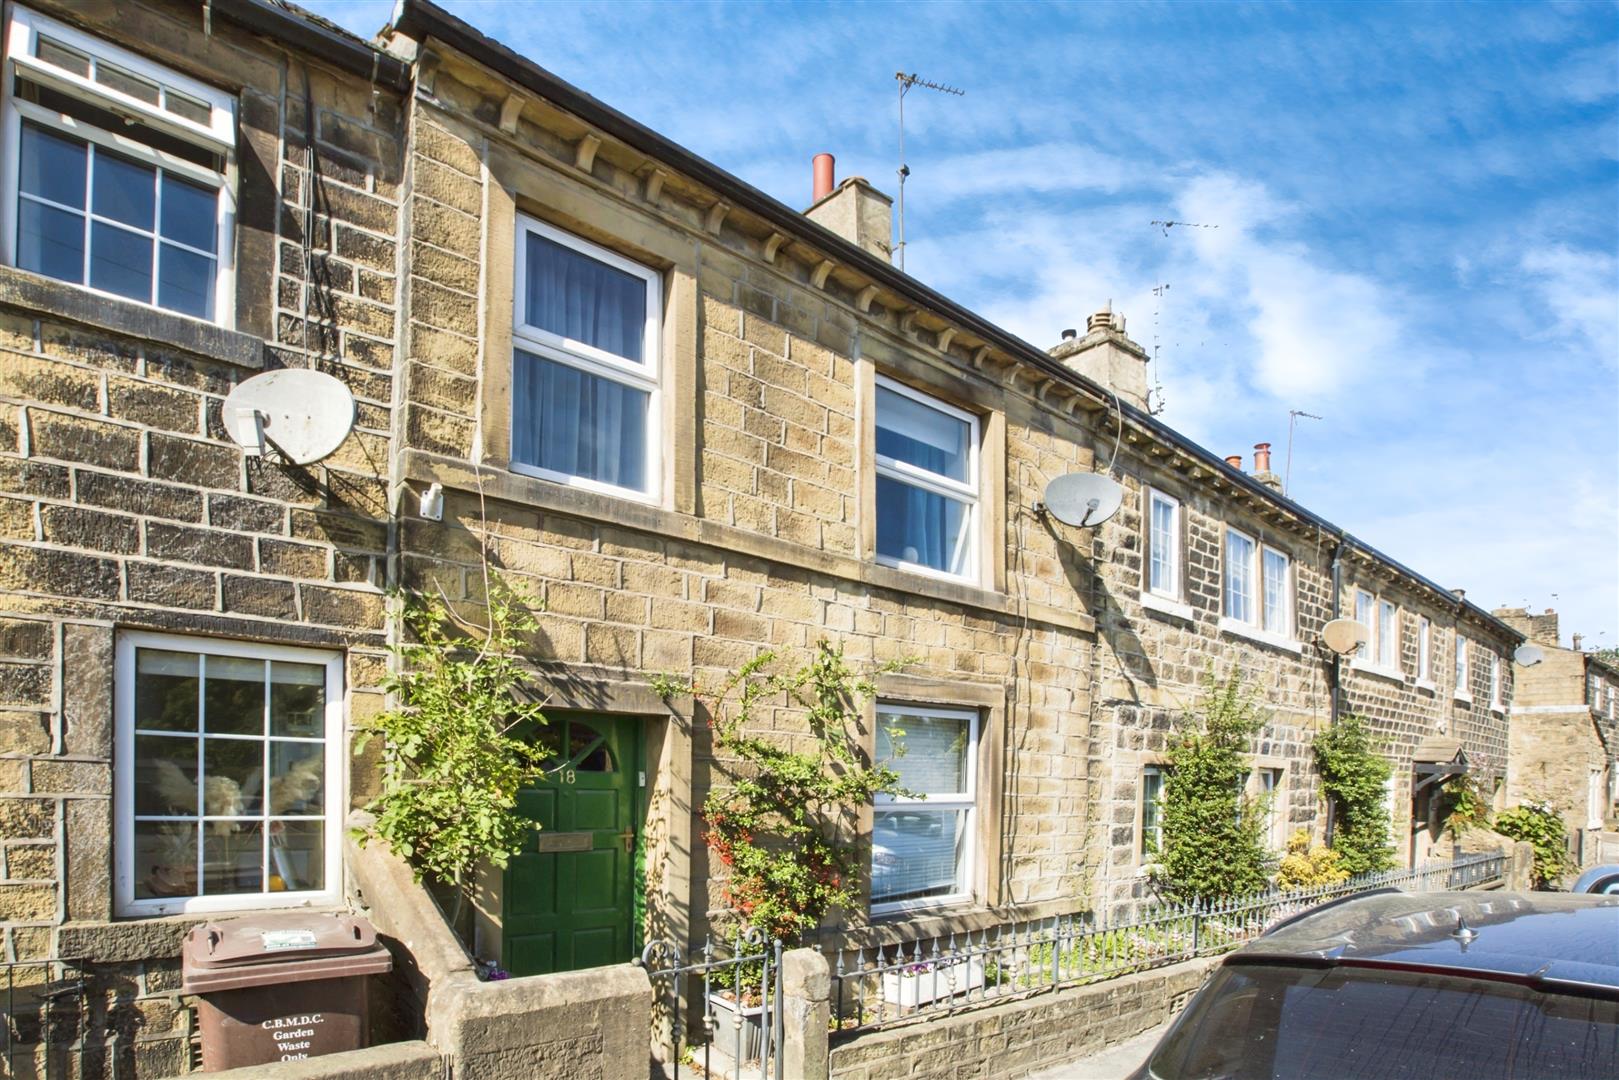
(1528, 655)
(1083, 499)
(1344, 636)
(296, 415)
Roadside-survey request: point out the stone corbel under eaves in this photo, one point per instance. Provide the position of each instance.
(818, 275)
(773, 245)
(942, 342)
(654, 185)
(867, 295)
(716, 217)
(510, 110)
(584, 152)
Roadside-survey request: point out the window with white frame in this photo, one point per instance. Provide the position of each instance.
(922, 846)
(927, 483)
(1239, 576)
(1497, 688)
(1269, 789)
(1163, 545)
(1595, 811)
(1152, 810)
(1365, 607)
(118, 173)
(1258, 585)
(1388, 635)
(585, 364)
(229, 775)
(1424, 649)
(1461, 667)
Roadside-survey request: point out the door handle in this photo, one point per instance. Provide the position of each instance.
(628, 836)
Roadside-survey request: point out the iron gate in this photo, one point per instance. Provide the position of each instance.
(722, 1009)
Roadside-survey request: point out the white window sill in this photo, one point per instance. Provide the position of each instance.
(1165, 606)
(931, 905)
(1497, 708)
(1464, 697)
(1428, 685)
(1368, 668)
(1264, 637)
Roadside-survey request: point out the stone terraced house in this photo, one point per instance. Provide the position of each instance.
(692, 421)
(1565, 733)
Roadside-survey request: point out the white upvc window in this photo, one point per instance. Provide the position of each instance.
(586, 371)
(1270, 790)
(1258, 592)
(923, 847)
(1240, 603)
(927, 483)
(1388, 635)
(1365, 607)
(118, 173)
(1497, 687)
(1595, 809)
(1163, 545)
(229, 774)
(1463, 691)
(1425, 650)
(1152, 810)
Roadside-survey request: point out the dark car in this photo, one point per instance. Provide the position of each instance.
(1395, 986)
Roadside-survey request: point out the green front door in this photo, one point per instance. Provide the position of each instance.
(569, 897)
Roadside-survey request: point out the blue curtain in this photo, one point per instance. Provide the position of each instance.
(572, 422)
(917, 526)
(581, 298)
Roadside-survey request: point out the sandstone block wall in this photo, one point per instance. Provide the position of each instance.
(123, 504)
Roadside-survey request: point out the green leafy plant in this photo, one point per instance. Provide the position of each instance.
(455, 749)
(1464, 805)
(1306, 866)
(1213, 845)
(1538, 822)
(783, 828)
(1353, 775)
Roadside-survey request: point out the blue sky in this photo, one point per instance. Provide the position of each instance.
(1417, 211)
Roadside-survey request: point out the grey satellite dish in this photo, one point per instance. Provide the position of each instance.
(296, 415)
(1344, 636)
(1528, 655)
(1083, 499)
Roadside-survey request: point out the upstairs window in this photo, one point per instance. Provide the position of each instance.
(1258, 585)
(1388, 635)
(921, 846)
(1365, 605)
(1424, 649)
(927, 483)
(117, 171)
(1461, 668)
(1239, 577)
(585, 370)
(229, 770)
(1163, 545)
(1497, 688)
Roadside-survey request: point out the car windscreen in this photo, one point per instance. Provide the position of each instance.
(1277, 1022)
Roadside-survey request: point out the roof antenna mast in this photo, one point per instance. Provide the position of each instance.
(905, 83)
(1293, 422)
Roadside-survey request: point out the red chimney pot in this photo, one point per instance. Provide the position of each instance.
(1235, 461)
(824, 180)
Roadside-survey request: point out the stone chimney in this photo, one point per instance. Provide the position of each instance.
(1107, 357)
(1579, 639)
(1540, 629)
(853, 209)
(1262, 471)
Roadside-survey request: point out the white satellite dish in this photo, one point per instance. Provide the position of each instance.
(1344, 636)
(1528, 655)
(300, 415)
(1083, 499)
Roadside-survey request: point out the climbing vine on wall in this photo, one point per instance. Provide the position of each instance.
(1354, 778)
(1213, 833)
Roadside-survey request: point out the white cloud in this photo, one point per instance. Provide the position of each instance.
(1578, 298)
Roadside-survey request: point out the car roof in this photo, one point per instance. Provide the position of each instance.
(1540, 937)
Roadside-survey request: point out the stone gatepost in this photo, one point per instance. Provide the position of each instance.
(806, 992)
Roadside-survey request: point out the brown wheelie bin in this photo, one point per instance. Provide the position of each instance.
(281, 987)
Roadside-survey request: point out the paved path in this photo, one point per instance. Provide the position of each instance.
(1114, 1064)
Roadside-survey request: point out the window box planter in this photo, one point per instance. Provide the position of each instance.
(920, 984)
(742, 1046)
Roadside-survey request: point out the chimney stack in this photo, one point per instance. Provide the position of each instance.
(1460, 594)
(1579, 639)
(853, 209)
(1262, 471)
(1106, 356)
(825, 169)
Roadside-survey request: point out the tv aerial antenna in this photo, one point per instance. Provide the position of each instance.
(906, 82)
(1293, 422)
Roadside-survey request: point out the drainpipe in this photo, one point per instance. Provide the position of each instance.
(1337, 604)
